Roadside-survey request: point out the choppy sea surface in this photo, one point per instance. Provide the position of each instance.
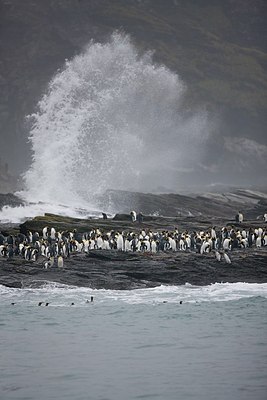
(140, 344)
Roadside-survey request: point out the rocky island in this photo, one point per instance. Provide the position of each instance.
(114, 269)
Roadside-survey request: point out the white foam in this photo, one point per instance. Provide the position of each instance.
(58, 294)
(30, 210)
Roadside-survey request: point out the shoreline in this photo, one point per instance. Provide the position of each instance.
(114, 269)
(102, 270)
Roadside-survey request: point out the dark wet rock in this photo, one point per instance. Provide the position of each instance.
(121, 223)
(117, 270)
(122, 217)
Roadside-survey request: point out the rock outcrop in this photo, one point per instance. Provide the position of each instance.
(116, 270)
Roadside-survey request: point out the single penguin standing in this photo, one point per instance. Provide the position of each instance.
(227, 258)
(60, 262)
(45, 232)
(240, 217)
(217, 255)
(53, 233)
(120, 242)
(133, 216)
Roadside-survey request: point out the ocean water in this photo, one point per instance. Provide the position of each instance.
(140, 344)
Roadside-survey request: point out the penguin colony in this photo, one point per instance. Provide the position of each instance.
(55, 246)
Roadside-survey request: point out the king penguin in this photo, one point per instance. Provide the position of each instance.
(60, 262)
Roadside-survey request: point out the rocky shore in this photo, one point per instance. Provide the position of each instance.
(103, 269)
(118, 270)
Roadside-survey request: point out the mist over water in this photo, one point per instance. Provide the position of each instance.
(111, 119)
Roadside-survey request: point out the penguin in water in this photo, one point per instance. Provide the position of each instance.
(91, 300)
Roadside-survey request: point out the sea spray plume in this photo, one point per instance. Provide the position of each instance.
(110, 119)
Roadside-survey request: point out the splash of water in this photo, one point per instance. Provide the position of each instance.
(111, 119)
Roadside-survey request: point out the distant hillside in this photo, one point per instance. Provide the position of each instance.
(224, 205)
(218, 47)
